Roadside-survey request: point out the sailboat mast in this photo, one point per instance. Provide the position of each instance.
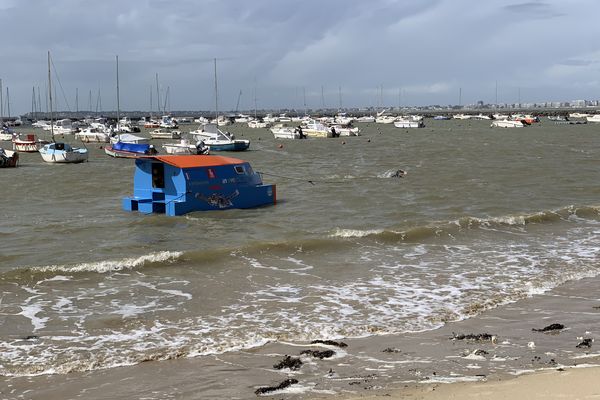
(118, 97)
(216, 95)
(1, 106)
(50, 98)
(8, 102)
(157, 94)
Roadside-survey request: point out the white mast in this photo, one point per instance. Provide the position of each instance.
(216, 95)
(50, 98)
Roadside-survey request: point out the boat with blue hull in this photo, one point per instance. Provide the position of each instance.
(177, 185)
(217, 140)
(130, 150)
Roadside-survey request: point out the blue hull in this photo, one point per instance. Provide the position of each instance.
(205, 200)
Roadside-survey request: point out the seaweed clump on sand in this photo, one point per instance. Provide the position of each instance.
(269, 389)
(319, 354)
(293, 364)
(550, 328)
(478, 337)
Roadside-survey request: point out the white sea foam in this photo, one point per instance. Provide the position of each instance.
(113, 265)
(355, 233)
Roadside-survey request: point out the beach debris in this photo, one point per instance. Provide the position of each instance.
(478, 337)
(550, 328)
(293, 364)
(585, 343)
(269, 389)
(329, 343)
(391, 350)
(319, 354)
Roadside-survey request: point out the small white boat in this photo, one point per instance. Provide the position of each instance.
(256, 124)
(165, 134)
(593, 118)
(366, 119)
(167, 122)
(217, 140)
(28, 143)
(346, 130)
(461, 116)
(506, 123)
(283, 131)
(128, 138)
(385, 119)
(8, 158)
(93, 134)
(5, 134)
(407, 123)
(185, 147)
(59, 152)
(317, 130)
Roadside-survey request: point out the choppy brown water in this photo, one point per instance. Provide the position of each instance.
(485, 217)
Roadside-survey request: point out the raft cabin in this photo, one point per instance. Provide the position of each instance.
(179, 184)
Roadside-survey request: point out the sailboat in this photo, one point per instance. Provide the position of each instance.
(213, 137)
(130, 148)
(60, 152)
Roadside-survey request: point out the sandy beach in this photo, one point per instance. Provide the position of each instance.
(572, 383)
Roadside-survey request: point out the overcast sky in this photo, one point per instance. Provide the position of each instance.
(413, 52)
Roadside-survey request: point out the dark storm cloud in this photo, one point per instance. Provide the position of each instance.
(429, 48)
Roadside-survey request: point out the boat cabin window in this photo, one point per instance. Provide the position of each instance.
(158, 175)
(239, 169)
(59, 146)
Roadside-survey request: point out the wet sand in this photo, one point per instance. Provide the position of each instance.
(573, 383)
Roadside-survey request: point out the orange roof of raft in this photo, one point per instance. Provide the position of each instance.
(193, 161)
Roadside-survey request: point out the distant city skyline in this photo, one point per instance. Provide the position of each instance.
(283, 54)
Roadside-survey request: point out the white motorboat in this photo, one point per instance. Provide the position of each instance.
(257, 124)
(27, 143)
(317, 130)
(385, 119)
(283, 131)
(461, 116)
(506, 123)
(93, 134)
(167, 122)
(165, 134)
(366, 119)
(185, 147)
(593, 118)
(218, 140)
(408, 123)
(128, 138)
(346, 130)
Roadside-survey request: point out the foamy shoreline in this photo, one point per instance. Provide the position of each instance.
(570, 383)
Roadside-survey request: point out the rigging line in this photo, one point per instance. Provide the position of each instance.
(61, 87)
(311, 181)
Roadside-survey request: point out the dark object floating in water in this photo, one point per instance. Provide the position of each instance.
(586, 343)
(481, 337)
(391, 350)
(31, 337)
(288, 362)
(319, 354)
(550, 328)
(269, 389)
(329, 343)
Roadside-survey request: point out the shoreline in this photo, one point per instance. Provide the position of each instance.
(570, 383)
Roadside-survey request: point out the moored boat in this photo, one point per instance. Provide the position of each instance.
(186, 147)
(408, 123)
(28, 143)
(62, 153)
(162, 133)
(506, 123)
(283, 131)
(130, 150)
(176, 185)
(217, 140)
(8, 158)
